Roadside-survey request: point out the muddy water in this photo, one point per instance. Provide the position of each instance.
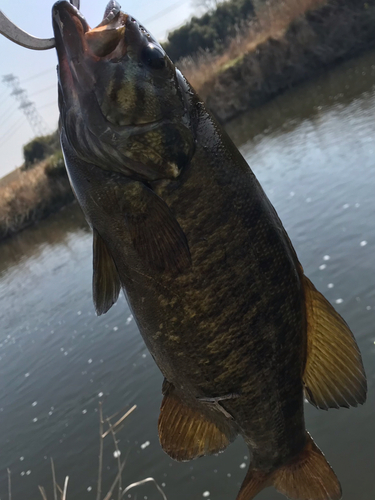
(313, 150)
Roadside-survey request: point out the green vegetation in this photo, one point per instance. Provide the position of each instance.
(40, 148)
(211, 31)
(288, 42)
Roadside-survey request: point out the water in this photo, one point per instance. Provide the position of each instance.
(313, 151)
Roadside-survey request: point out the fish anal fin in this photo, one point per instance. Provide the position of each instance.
(334, 376)
(307, 477)
(105, 282)
(185, 433)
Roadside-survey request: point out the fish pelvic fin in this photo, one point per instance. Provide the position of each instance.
(185, 433)
(307, 477)
(105, 281)
(334, 375)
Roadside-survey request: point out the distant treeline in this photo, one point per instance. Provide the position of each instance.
(210, 31)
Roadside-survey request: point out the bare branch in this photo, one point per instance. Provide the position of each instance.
(118, 455)
(54, 479)
(147, 480)
(65, 488)
(60, 490)
(109, 494)
(119, 421)
(100, 472)
(42, 492)
(9, 485)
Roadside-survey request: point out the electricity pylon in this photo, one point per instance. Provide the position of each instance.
(36, 121)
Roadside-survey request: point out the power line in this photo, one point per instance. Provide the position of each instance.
(5, 138)
(172, 7)
(37, 75)
(49, 104)
(8, 113)
(5, 127)
(54, 86)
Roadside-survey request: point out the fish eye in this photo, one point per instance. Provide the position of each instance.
(152, 56)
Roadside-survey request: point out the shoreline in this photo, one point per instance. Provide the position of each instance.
(312, 43)
(33, 195)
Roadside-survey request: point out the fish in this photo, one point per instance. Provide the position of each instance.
(181, 225)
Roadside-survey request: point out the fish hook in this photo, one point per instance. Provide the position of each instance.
(17, 35)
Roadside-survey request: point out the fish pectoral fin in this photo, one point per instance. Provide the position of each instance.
(105, 281)
(185, 433)
(308, 476)
(334, 374)
(156, 234)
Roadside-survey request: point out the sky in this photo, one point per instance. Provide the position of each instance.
(36, 70)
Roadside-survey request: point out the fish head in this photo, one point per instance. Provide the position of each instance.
(123, 104)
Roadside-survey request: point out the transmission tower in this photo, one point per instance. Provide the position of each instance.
(36, 121)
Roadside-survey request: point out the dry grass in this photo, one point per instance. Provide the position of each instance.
(116, 489)
(30, 196)
(272, 21)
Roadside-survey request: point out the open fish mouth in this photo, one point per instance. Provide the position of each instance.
(75, 37)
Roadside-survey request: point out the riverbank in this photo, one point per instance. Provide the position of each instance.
(27, 196)
(285, 46)
(290, 42)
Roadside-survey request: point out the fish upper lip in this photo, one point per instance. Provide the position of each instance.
(62, 10)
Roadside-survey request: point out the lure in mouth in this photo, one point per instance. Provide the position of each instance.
(74, 35)
(79, 47)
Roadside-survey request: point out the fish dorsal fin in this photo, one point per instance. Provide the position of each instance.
(156, 234)
(105, 281)
(185, 433)
(334, 374)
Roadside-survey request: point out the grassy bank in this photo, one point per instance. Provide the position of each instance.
(287, 42)
(27, 196)
(290, 41)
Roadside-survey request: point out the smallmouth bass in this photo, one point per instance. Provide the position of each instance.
(181, 224)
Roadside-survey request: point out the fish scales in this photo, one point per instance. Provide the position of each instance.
(182, 225)
(216, 305)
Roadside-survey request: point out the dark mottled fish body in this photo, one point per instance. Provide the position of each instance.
(182, 225)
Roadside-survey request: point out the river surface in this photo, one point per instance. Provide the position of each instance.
(313, 150)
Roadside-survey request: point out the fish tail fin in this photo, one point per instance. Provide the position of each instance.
(307, 477)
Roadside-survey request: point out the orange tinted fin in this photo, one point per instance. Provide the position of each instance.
(307, 477)
(334, 374)
(255, 481)
(105, 281)
(185, 433)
